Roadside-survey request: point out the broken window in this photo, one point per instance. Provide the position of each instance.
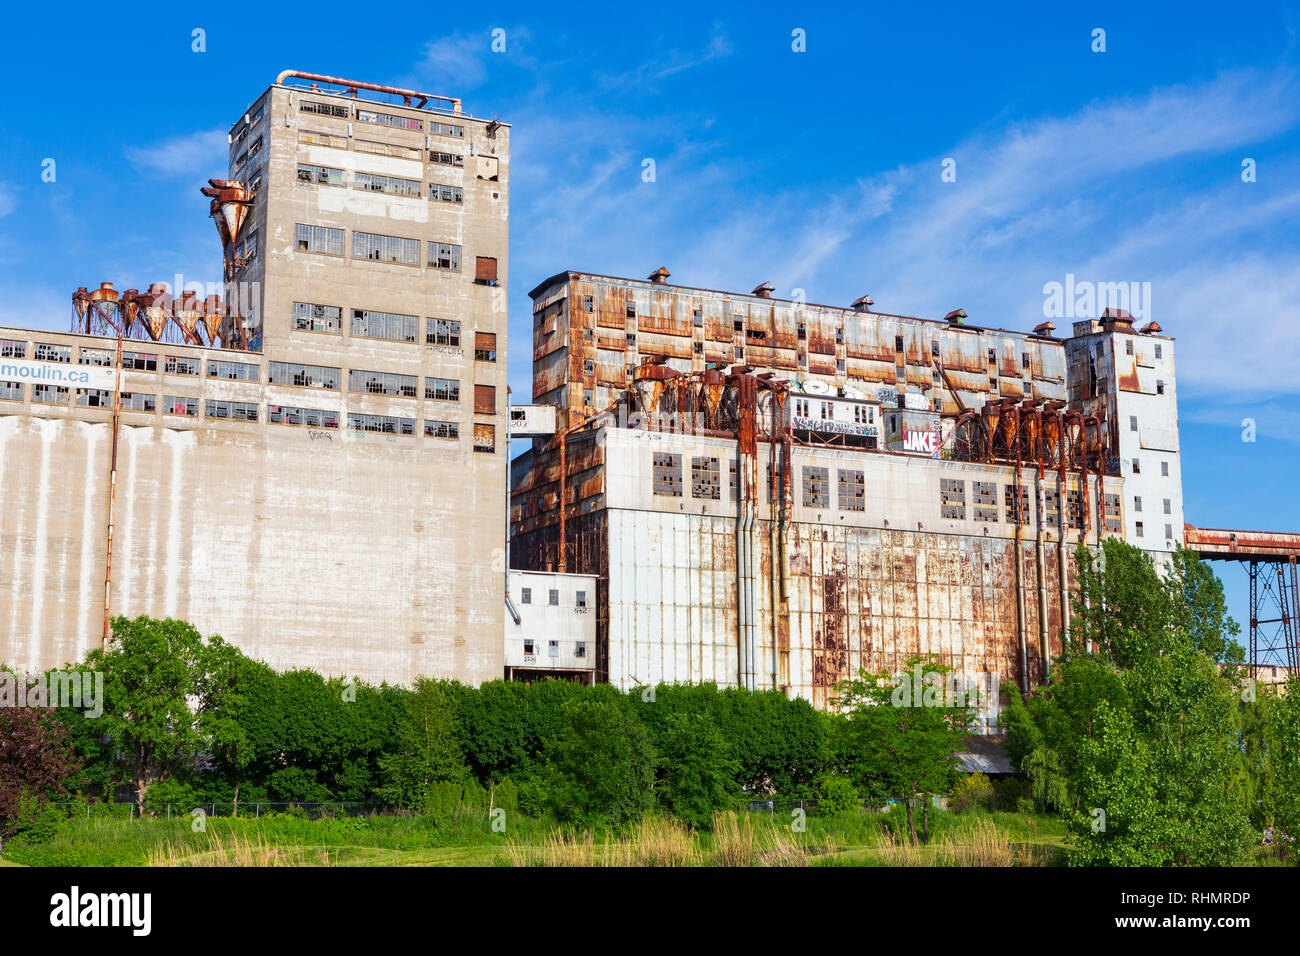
(485, 399)
(587, 305)
(100, 357)
(382, 383)
(11, 391)
(667, 471)
(1024, 360)
(52, 353)
(444, 193)
(1111, 514)
(385, 424)
(553, 648)
(1137, 466)
(526, 596)
(446, 129)
(733, 480)
(1164, 469)
(1138, 529)
(444, 255)
(705, 480)
(1132, 423)
(446, 159)
(699, 348)
(852, 490)
(310, 417)
(325, 175)
(699, 319)
(631, 340)
(140, 361)
(180, 405)
(816, 487)
(1051, 509)
(49, 394)
(379, 248)
(322, 109)
(1160, 387)
(1137, 502)
(580, 649)
(1157, 351)
(485, 438)
(528, 647)
(934, 348)
(442, 332)
(898, 343)
(631, 309)
(1128, 346)
(580, 599)
(240, 411)
(12, 348)
(434, 429)
(952, 498)
(181, 365)
(392, 185)
(442, 389)
(318, 239)
(308, 317)
(94, 397)
(304, 376)
(802, 332)
(984, 497)
(390, 119)
(383, 325)
(1016, 505)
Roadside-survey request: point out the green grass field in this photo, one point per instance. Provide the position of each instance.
(466, 839)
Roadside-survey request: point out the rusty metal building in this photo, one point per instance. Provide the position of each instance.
(308, 463)
(776, 494)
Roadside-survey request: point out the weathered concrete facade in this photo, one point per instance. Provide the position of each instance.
(342, 504)
(766, 526)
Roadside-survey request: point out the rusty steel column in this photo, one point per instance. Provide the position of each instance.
(1018, 517)
(1063, 519)
(747, 447)
(564, 469)
(1253, 572)
(112, 491)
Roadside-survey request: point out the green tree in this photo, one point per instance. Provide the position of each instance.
(428, 747)
(901, 734)
(152, 671)
(600, 765)
(696, 769)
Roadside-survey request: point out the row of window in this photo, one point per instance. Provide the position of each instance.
(392, 326)
(327, 240)
(667, 479)
(553, 597)
(397, 150)
(134, 361)
(553, 648)
(375, 182)
(484, 434)
(392, 120)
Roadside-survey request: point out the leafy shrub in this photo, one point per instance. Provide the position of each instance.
(837, 795)
(970, 792)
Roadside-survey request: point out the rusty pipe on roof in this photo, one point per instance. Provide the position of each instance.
(407, 95)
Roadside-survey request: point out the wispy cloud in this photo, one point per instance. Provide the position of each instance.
(7, 200)
(455, 61)
(1142, 189)
(199, 155)
(672, 62)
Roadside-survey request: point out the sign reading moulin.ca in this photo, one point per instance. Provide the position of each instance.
(56, 373)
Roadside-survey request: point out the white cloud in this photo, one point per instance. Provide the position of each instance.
(200, 155)
(1140, 189)
(455, 62)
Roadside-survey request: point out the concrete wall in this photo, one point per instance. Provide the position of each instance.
(349, 552)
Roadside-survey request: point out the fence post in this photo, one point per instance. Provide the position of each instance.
(169, 811)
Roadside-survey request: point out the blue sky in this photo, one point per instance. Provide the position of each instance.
(817, 170)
